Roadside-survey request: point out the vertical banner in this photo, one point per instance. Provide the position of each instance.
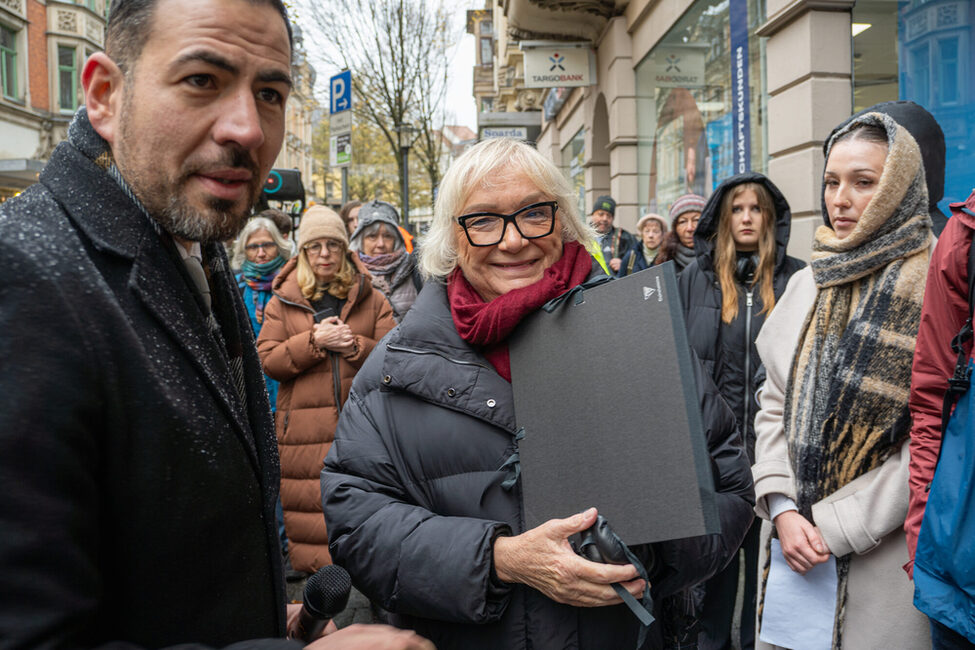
(741, 122)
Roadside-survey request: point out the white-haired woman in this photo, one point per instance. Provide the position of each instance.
(419, 511)
(381, 249)
(259, 252)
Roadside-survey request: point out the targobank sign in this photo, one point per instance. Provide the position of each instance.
(677, 66)
(564, 65)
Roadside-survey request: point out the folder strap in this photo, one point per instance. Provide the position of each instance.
(513, 463)
(642, 608)
(575, 293)
(600, 543)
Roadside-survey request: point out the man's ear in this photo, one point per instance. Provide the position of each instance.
(103, 81)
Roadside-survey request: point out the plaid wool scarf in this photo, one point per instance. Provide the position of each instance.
(846, 403)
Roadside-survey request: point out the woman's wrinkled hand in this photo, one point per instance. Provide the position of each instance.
(803, 545)
(543, 559)
(334, 335)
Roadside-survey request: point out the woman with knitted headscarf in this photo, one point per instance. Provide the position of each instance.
(831, 459)
(678, 245)
(381, 248)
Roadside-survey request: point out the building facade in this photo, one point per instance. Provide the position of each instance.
(689, 92)
(43, 46)
(303, 115)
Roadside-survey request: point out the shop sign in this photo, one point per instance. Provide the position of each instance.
(519, 132)
(678, 66)
(740, 91)
(561, 66)
(340, 150)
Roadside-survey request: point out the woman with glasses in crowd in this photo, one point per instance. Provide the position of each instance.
(382, 250)
(323, 321)
(259, 252)
(831, 452)
(740, 270)
(652, 229)
(421, 513)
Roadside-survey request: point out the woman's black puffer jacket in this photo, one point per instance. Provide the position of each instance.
(728, 350)
(413, 500)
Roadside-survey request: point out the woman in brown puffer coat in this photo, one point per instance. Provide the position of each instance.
(322, 322)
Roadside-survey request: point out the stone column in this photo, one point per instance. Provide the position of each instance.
(617, 82)
(809, 75)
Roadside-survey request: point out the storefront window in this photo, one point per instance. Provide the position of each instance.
(573, 155)
(701, 102)
(924, 50)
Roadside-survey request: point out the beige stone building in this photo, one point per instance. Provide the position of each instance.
(303, 116)
(43, 46)
(688, 92)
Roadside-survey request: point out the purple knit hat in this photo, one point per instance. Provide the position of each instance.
(687, 203)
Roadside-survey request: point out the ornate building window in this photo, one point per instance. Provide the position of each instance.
(8, 62)
(67, 78)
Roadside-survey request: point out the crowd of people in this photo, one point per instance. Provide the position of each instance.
(184, 427)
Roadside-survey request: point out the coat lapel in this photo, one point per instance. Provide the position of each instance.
(115, 224)
(157, 281)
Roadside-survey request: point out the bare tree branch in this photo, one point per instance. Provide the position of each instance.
(397, 51)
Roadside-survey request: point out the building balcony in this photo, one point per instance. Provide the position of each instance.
(560, 20)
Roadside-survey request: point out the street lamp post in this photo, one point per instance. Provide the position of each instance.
(405, 132)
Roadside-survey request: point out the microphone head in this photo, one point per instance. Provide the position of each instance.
(327, 592)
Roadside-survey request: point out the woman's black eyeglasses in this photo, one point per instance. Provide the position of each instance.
(488, 228)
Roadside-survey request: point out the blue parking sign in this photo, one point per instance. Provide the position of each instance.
(340, 89)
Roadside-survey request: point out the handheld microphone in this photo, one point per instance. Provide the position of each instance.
(326, 594)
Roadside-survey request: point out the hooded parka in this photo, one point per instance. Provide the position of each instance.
(413, 495)
(314, 385)
(728, 350)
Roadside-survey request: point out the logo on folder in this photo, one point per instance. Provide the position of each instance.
(649, 292)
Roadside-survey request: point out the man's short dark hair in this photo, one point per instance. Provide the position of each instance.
(130, 21)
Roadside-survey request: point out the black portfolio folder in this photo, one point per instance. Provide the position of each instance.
(604, 389)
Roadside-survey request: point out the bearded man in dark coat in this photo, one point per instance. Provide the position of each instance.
(138, 464)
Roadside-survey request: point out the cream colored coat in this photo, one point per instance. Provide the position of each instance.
(865, 517)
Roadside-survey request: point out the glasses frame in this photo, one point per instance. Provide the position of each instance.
(267, 245)
(330, 245)
(509, 218)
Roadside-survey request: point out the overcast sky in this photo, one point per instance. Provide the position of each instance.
(460, 101)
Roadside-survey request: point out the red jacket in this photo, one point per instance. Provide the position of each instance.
(944, 312)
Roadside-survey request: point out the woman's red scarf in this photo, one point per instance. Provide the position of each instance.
(488, 324)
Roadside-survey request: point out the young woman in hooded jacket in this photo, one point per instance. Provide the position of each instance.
(740, 270)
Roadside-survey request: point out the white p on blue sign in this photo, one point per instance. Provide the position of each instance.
(341, 92)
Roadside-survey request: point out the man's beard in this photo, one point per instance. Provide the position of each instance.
(166, 201)
(219, 220)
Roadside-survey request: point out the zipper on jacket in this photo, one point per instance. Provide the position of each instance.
(398, 348)
(748, 363)
(336, 380)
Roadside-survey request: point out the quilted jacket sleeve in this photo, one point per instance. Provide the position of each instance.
(285, 354)
(411, 560)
